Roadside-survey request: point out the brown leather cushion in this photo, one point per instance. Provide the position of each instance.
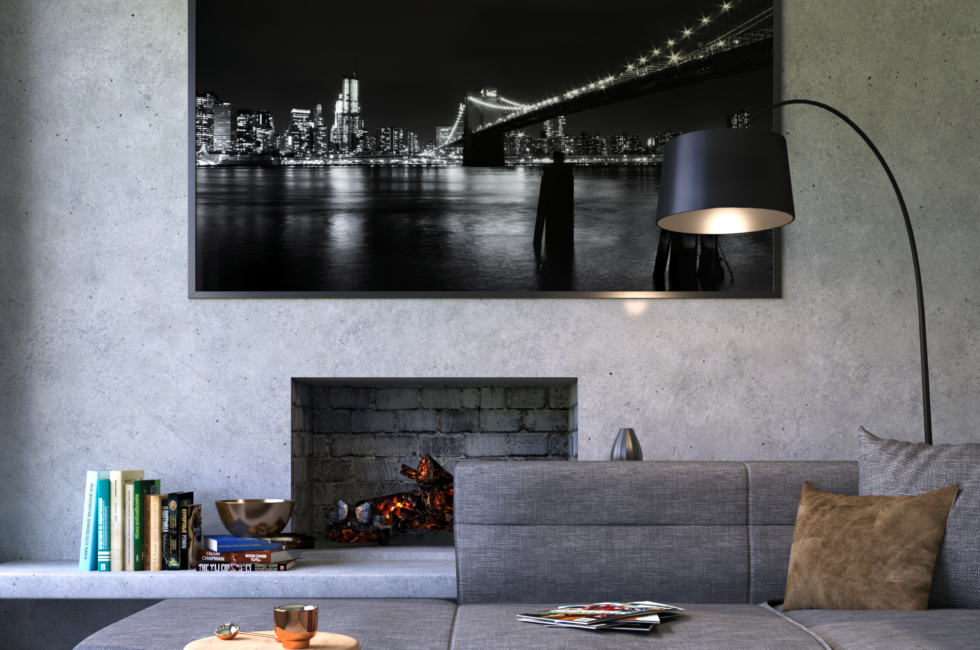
(865, 552)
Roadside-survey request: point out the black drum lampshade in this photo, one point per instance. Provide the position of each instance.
(722, 181)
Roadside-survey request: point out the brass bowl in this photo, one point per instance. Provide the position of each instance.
(295, 625)
(255, 517)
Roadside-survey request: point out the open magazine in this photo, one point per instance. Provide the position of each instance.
(640, 616)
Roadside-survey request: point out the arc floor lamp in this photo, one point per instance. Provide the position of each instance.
(723, 181)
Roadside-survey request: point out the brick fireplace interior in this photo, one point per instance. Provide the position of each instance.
(350, 437)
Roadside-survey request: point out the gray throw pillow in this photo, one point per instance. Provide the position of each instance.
(894, 468)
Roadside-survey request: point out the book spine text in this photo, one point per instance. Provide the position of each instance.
(240, 566)
(138, 533)
(104, 524)
(87, 550)
(129, 511)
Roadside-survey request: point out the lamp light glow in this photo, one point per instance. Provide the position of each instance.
(725, 221)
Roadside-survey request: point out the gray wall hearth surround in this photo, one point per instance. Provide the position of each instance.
(104, 362)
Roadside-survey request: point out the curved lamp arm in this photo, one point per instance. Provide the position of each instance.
(926, 408)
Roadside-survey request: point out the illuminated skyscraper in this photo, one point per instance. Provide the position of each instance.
(516, 143)
(321, 135)
(381, 139)
(300, 117)
(266, 120)
(245, 131)
(442, 135)
(265, 130)
(300, 131)
(225, 127)
(553, 133)
(348, 123)
(661, 139)
(590, 144)
(368, 143)
(740, 120)
(564, 143)
(398, 144)
(204, 121)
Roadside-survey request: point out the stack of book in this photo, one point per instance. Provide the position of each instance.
(640, 616)
(229, 553)
(129, 525)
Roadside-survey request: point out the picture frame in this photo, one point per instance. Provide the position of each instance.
(200, 261)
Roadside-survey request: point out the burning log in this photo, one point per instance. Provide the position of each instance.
(429, 474)
(430, 507)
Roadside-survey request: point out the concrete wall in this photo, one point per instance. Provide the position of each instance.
(105, 363)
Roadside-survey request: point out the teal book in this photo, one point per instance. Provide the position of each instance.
(103, 526)
(87, 548)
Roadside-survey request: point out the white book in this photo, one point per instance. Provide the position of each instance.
(117, 509)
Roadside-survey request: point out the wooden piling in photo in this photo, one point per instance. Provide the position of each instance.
(555, 222)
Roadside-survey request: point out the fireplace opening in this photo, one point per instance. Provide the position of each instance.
(352, 437)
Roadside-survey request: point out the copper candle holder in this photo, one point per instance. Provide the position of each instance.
(296, 625)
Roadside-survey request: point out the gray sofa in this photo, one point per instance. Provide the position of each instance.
(712, 537)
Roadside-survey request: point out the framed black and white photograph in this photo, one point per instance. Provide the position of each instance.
(445, 149)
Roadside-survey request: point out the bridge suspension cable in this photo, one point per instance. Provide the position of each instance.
(756, 27)
(508, 105)
(511, 102)
(457, 130)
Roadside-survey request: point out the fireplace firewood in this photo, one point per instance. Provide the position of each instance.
(430, 507)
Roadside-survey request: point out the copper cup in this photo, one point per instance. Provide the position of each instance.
(296, 625)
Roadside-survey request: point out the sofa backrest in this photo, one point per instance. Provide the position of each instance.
(671, 531)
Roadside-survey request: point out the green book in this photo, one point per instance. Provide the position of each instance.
(137, 526)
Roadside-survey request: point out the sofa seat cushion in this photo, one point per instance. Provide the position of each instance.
(376, 624)
(702, 627)
(933, 629)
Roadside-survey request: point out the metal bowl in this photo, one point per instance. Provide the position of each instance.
(255, 517)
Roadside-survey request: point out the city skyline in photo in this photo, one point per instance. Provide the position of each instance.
(417, 83)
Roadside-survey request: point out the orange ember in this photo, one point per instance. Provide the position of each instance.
(430, 507)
